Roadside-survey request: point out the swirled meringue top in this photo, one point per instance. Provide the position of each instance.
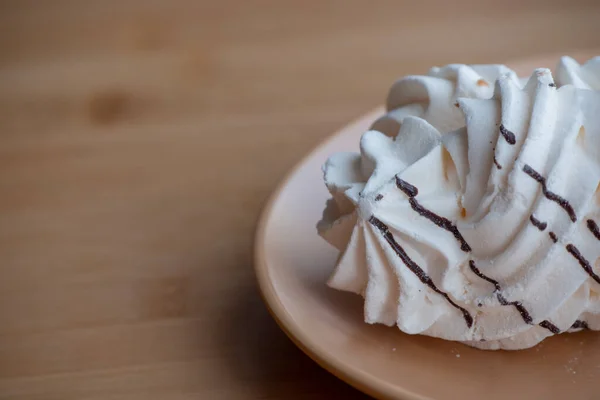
(472, 211)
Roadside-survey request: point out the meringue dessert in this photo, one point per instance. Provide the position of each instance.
(472, 212)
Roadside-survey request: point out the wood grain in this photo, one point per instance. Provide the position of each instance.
(140, 139)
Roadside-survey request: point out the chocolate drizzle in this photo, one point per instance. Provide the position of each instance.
(496, 163)
(408, 189)
(552, 84)
(508, 135)
(553, 236)
(579, 324)
(550, 195)
(415, 269)
(537, 223)
(517, 304)
(444, 223)
(585, 264)
(378, 197)
(593, 227)
(550, 326)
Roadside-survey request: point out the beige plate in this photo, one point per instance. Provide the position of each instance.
(293, 263)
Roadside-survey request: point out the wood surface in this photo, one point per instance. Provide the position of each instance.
(139, 141)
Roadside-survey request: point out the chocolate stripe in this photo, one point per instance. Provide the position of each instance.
(408, 189)
(482, 276)
(553, 236)
(444, 223)
(508, 135)
(550, 326)
(537, 223)
(579, 324)
(593, 227)
(517, 304)
(585, 264)
(550, 195)
(496, 163)
(415, 269)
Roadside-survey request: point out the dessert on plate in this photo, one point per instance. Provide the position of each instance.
(472, 211)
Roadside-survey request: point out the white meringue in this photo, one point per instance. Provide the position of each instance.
(586, 76)
(471, 212)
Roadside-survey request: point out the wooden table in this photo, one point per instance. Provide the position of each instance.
(140, 140)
